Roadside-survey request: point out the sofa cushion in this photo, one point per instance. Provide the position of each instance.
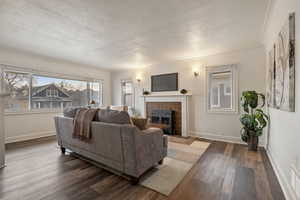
(113, 116)
(71, 111)
(141, 123)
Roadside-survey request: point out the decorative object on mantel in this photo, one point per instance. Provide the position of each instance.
(254, 120)
(183, 91)
(281, 77)
(145, 92)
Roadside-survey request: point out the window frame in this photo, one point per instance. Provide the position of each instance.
(14, 69)
(225, 91)
(219, 97)
(234, 89)
(123, 94)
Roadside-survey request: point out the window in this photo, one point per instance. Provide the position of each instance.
(31, 92)
(49, 92)
(221, 89)
(17, 84)
(127, 93)
(96, 89)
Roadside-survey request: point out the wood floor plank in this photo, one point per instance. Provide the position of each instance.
(244, 184)
(274, 185)
(37, 170)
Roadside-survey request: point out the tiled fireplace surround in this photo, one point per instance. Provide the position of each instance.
(169, 101)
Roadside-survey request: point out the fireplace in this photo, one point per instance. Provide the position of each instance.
(163, 119)
(178, 103)
(165, 115)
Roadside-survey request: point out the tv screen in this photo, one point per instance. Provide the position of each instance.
(164, 82)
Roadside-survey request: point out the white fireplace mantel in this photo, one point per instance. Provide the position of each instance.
(182, 98)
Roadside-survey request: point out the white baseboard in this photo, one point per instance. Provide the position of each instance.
(30, 136)
(222, 138)
(285, 186)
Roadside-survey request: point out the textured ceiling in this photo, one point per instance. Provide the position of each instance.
(121, 34)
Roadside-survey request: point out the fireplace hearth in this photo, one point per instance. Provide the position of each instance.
(163, 119)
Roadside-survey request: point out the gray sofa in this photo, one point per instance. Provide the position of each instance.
(120, 147)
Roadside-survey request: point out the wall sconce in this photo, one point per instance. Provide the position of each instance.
(138, 78)
(196, 72)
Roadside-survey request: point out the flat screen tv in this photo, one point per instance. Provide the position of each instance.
(164, 82)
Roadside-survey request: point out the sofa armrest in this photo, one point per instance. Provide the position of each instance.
(156, 135)
(152, 132)
(151, 138)
(62, 125)
(149, 148)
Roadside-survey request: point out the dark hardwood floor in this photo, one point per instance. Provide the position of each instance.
(37, 170)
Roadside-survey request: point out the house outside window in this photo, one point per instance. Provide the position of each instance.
(222, 89)
(127, 93)
(52, 93)
(34, 92)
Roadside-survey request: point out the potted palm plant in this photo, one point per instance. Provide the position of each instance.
(254, 120)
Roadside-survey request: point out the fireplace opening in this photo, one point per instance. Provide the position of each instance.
(163, 119)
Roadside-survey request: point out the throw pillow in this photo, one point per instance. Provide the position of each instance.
(141, 123)
(71, 111)
(113, 116)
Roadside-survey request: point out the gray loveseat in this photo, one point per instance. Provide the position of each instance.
(120, 147)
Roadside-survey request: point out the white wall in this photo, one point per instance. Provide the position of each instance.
(251, 70)
(22, 126)
(283, 147)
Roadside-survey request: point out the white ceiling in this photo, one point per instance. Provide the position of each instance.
(121, 34)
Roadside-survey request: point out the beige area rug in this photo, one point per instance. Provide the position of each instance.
(181, 158)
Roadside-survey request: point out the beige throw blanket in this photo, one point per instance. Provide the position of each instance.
(82, 123)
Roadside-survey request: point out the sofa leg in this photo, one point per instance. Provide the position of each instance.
(134, 181)
(63, 150)
(161, 162)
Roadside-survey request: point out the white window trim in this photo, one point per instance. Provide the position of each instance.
(234, 91)
(32, 72)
